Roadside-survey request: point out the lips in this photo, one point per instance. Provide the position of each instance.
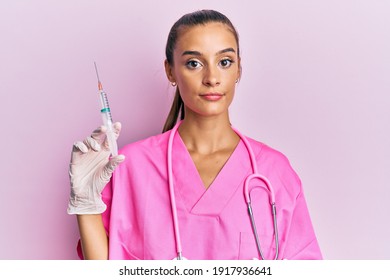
(212, 96)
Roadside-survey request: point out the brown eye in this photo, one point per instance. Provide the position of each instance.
(193, 64)
(225, 63)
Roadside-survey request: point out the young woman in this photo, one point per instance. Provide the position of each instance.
(183, 193)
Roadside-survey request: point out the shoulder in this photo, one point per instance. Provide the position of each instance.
(155, 145)
(275, 164)
(264, 152)
(144, 158)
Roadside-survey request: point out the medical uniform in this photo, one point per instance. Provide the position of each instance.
(213, 222)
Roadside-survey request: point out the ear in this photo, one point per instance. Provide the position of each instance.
(169, 72)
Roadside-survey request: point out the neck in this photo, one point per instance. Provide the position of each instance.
(207, 135)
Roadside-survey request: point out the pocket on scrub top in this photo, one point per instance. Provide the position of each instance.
(125, 254)
(248, 247)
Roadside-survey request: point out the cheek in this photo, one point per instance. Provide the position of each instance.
(230, 80)
(188, 81)
(231, 75)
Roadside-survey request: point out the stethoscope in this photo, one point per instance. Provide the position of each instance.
(254, 175)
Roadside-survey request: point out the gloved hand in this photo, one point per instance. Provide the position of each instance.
(90, 170)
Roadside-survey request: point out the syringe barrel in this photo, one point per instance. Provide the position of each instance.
(105, 107)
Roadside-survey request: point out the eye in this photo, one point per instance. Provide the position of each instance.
(193, 64)
(226, 63)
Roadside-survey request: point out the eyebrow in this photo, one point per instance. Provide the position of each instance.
(196, 53)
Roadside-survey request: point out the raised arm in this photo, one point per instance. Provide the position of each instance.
(90, 170)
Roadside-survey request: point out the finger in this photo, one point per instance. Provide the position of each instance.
(110, 167)
(92, 144)
(117, 127)
(99, 134)
(80, 147)
(114, 161)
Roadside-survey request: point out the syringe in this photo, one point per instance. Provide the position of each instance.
(107, 119)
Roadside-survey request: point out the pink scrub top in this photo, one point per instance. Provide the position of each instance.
(214, 222)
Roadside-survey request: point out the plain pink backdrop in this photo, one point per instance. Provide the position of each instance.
(315, 85)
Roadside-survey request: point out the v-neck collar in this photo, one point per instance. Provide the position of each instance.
(188, 183)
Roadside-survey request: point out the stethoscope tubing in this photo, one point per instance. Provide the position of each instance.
(172, 193)
(268, 187)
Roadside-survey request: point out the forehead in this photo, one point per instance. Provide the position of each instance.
(211, 37)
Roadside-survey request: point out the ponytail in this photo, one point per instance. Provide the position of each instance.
(177, 110)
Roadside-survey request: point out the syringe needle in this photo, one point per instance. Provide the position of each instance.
(100, 86)
(107, 119)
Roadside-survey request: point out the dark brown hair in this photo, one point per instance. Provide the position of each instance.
(189, 20)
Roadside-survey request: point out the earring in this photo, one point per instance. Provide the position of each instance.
(173, 84)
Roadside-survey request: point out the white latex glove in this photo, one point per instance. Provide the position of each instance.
(90, 170)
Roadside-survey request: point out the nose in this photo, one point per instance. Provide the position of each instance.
(211, 77)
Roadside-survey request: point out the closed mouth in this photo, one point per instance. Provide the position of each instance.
(212, 94)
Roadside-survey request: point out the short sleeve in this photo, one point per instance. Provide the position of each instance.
(301, 239)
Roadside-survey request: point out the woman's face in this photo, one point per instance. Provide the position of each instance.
(206, 67)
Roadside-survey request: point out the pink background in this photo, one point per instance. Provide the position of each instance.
(315, 85)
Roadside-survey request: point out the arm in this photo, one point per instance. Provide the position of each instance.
(90, 170)
(94, 240)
